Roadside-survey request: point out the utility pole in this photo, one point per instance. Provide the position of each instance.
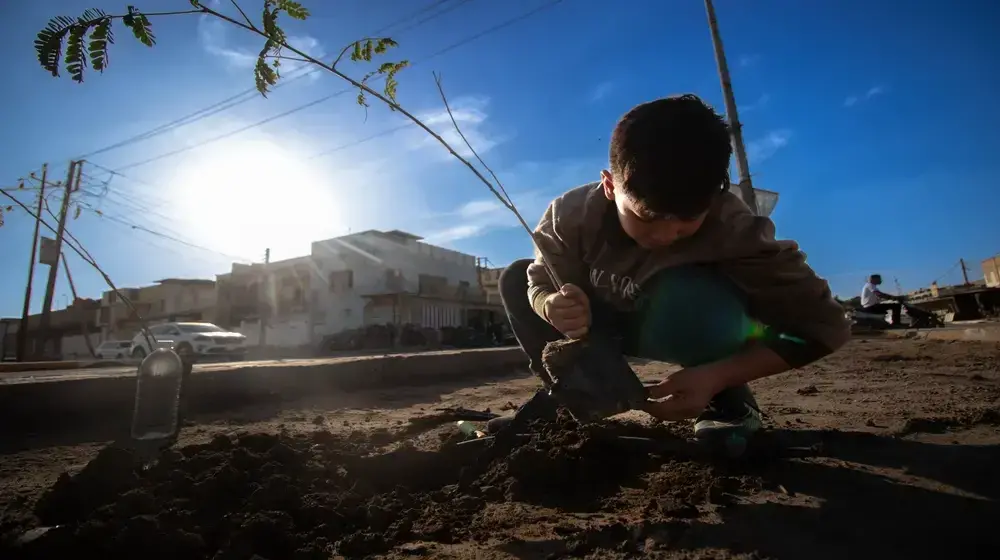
(22, 329)
(75, 167)
(83, 323)
(965, 271)
(742, 167)
(264, 300)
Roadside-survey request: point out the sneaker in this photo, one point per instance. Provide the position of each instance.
(721, 424)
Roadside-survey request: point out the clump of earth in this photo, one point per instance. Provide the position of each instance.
(301, 497)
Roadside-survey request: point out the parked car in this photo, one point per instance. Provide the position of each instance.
(114, 349)
(196, 340)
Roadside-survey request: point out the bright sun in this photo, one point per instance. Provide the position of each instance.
(253, 195)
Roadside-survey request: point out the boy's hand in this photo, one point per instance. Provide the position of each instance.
(568, 310)
(685, 394)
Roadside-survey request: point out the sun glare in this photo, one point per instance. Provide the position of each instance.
(252, 195)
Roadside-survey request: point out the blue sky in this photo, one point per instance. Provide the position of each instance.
(874, 120)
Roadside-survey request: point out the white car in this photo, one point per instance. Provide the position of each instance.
(114, 349)
(194, 339)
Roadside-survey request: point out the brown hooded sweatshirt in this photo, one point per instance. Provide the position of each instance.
(582, 236)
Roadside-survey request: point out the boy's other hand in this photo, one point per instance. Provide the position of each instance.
(568, 310)
(685, 394)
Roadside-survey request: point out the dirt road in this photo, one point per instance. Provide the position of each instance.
(897, 444)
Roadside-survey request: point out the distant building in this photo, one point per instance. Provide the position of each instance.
(352, 281)
(171, 299)
(991, 271)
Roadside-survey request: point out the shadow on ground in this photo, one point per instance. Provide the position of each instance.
(862, 496)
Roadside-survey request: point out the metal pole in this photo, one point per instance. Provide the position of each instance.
(264, 299)
(742, 167)
(84, 324)
(22, 329)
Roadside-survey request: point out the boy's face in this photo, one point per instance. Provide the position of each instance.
(647, 231)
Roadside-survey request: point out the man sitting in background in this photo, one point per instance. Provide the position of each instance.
(874, 301)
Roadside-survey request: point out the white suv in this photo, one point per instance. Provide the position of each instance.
(194, 339)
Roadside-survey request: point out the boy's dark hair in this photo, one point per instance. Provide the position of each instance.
(672, 155)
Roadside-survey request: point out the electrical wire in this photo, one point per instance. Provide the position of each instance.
(85, 255)
(252, 93)
(327, 97)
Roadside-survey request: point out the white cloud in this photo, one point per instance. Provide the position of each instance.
(532, 185)
(763, 148)
(470, 114)
(748, 60)
(215, 37)
(600, 91)
(873, 91)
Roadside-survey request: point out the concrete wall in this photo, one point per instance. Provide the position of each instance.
(75, 347)
(288, 332)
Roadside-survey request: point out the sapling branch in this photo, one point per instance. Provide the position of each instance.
(242, 13)
(505, 199)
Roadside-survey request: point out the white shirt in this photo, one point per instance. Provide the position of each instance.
(869, 297)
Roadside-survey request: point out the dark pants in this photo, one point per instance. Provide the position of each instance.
(692, 323)
(883, 308)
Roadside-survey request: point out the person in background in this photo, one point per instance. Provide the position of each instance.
(875, 301)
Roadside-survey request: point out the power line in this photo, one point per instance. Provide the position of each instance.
(252, 93)
(161, 234)
(361, 141)
(435, 15)
(314, 102)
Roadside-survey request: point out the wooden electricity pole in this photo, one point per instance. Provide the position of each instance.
(742, 167)
(72, 178)
(22, 329)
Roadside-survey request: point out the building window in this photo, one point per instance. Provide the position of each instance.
(341, 280)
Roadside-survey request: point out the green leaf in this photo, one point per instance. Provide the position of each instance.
(293, 9)
(48, 43)
(76, 59)
(140, 26)
(361, 99)
(356, 53)
(76, 214)
(391, 84)
(196, 3)
(384, 44)
(100, 38)
(264, 75)
(271, 27)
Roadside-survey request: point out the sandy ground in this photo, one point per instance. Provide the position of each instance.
(903, 462)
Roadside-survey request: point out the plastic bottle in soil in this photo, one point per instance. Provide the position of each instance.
(157, 396)
(469, 429)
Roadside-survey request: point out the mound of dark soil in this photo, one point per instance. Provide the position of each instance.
(303, 497)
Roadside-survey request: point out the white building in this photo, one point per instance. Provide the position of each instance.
(376, 277)
(348, 282)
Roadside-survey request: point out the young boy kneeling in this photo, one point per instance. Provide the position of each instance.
(661, 255)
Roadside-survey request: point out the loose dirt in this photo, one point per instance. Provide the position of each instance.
(888, 449)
